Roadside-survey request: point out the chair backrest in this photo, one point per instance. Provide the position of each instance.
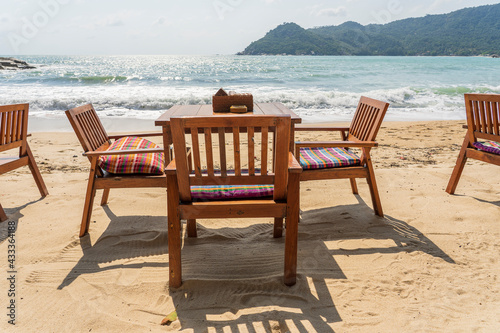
(483, 116)
(88, 127)
(14, 127)
(367, 119)
(252, 132)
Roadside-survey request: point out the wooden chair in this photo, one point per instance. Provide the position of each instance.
(95, 141)
(182, 198)
(14, 134)
(360, 134)
(483, 123)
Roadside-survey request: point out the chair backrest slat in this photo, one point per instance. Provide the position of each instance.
(364, 122)
(483, 116)
(196, 151)
(489, 119)
(496, 118)
(91, 128)
(237, 153)
(476, 121)
(14, 127)
(8, 134)
(9, 127)
(85, 122)
(370, 118)
(251, 151)
(244, 138)
(19, 124)
(88, 127)
(13, 134)
(97, 128)
(367, 119)
(263, 152)
(3, 127)
(222, 151)
(209, 151)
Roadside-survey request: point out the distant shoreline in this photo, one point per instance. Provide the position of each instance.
(368, 55)
(248, 55)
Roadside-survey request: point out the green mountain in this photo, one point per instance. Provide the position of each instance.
(465, 32)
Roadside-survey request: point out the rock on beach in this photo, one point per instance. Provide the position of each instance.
(12, 63)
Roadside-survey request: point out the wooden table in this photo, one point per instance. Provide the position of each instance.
(206, 110)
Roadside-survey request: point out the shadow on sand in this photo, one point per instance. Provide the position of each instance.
(14, 215)
(233, 276)
(232, 299)
(125, 237)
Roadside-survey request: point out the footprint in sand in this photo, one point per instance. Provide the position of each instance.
(128, 277)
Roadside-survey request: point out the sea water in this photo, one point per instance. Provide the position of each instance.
(318, 88)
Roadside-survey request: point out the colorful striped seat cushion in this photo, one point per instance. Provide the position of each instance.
(152, 163)
(488, 146)
(227, 192)
(319, 158)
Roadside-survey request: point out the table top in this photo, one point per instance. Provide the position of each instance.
(206, 110)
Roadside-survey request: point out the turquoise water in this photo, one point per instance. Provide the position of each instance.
(317, 88)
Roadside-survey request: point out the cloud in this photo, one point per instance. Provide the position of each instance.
(442, 5)
(161, 22)
(339, 11)
(7, 24)
(116, 20)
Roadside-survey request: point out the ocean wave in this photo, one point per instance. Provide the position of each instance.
(317, 88)
(88, 80)
(100, 79)
(461, 90)
(315, 105)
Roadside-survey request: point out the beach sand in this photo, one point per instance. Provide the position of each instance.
(430, 265)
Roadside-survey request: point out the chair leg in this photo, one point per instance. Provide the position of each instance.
(292, 229)
(36, 172)
(105, 197)
(278, 227)
(3, 216)
(354, 186)
(89, 199)
(174, 233)
(191, 228)
(372, 183)
(459, 167)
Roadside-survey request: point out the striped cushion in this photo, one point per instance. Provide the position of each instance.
(225, 192)
(488, 146)
(319, 158)
(153, 163)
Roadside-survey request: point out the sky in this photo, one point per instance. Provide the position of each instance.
(101, 27)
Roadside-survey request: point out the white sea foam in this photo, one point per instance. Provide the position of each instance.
(148, 102)
(317, 88)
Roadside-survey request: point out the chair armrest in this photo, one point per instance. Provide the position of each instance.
(142, 135)
(293, 165)
(124, 152)
(319, 128)
(171, 168)
(336, 144)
